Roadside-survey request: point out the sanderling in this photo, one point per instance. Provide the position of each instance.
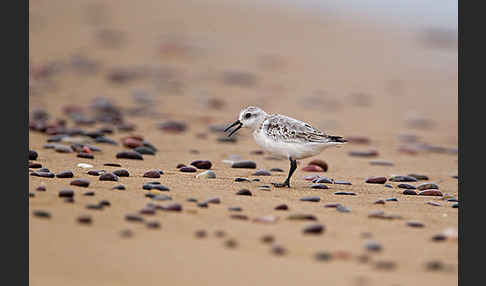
(284, 136)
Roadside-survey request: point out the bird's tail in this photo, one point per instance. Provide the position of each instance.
(336, 139)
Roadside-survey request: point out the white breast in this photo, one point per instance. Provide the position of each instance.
(287, 150)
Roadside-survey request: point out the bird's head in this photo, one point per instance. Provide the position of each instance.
(250, 117)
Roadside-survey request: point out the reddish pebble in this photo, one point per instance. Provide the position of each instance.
(430, 193)
(319, 163)
(312, 168)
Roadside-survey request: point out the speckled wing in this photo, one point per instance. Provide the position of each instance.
(282, 128)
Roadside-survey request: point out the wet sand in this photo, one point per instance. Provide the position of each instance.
(345, 75)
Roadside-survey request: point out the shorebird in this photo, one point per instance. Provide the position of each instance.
(284, 136)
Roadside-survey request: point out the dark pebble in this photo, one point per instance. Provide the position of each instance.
(173, 126)
(174, 207)
(311, 199)
(410, 192)
(105, 140)
(301, 217)
(430, 193)
(268, 238)
(242, 180)
(191, 200)
(66, 193)
(313, 229)
(157, 187)
(161, 198)
(43, 174)
(323, 256)
(213, 201)
(392, 200)
(187, 169)
(65, 174)
(282, 207)
(434, 266)
(342, 209)
(428, 186)
(243, 192)
(202, 164)
(455, 206)
(340, 182)
(45, 170)
(129, 155)
(402, 179)
(96, 172)
(147, 211)
(144, 150)
(219, 233)
(126, 233)
(256, 180)
(63, 149)
(202, 205)
(278, 250)
(80, 183)
(133, 217)
(373, 246)
(385, 265)
(439, 237)
(345, 193)
(34, 165)
(418, 176)
(41, 214)
(369, 153)
(121, 173)
(376, 180)
(388, 186)
(89, 193)
(435, 204)
(239, 216)
(69, 200)
(323, 180)
(415, 224)
(235, 209)
(262, 173)
(153, 224)
(94, 206)
(119, 187)
(244, 165)
(231, 243)
(41, 188)
(332, 205)
(276, 170)
(105, 203)
(200, 234)
(85, 155)
(85, 219)
(152, 174)
(33, 155)
(31, 195)
(319, 186)
(112, 165)
(406, 186)
(109, 177)
(453, 200)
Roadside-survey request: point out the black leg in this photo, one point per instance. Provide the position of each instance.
(293, 166)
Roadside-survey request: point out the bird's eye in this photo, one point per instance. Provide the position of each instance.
(248, 115)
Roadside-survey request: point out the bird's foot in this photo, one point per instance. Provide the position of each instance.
(281, 185)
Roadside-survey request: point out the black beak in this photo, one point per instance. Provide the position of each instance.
(237, 122)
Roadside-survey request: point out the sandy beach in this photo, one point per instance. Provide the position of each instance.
(199, 63)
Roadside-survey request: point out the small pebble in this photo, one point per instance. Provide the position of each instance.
(33, 165)
(320, 163)
(301, 217)
(268, 238)
(242, 180)
(381, 163)
(133, 217)
(112, 165)
(406, 186)
(244, 165)
(276, 170)
(323, 256)
(33, 155)
(313, 229)
(428, 186)
(434, 265)
(69, 200)
(345, 193)
(410, 192)
(323, 180)
(109, 177)
(66, 193)
(373, 246)
(152, 224)
(85, 155)
(402, 179)
(319, 186)
(239, 217)
(213, 201)
(105, 203)
(368, 153)
(152, 174)
(43, 174)
(385, 265)
(235, 209)
(41, 188)
(41, 214)
(84, 165)
(80, 183)
(376, 180)
(281, 207)
(341, 182)
(161, 198)
(119, 187)
(126, 233)
(379, 202)
(89, 193)
(455, 206)
(230, 243)
(342, 209)
(312, 168)
(435, 204)
(200, 234)
(63, 149)
(392, 200)
(262, 173)
(65, 174)
(94, 206)
(388, 186)
(418, 176)
(430, 193)
(173, 207)
(144, 150)
(121, 173)
(187, 169)
(129, 155)
(278, 250)
(96, 172)
(202, 164)
(243, 192)
(85, 219)
(311, 199)
(414, 224)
